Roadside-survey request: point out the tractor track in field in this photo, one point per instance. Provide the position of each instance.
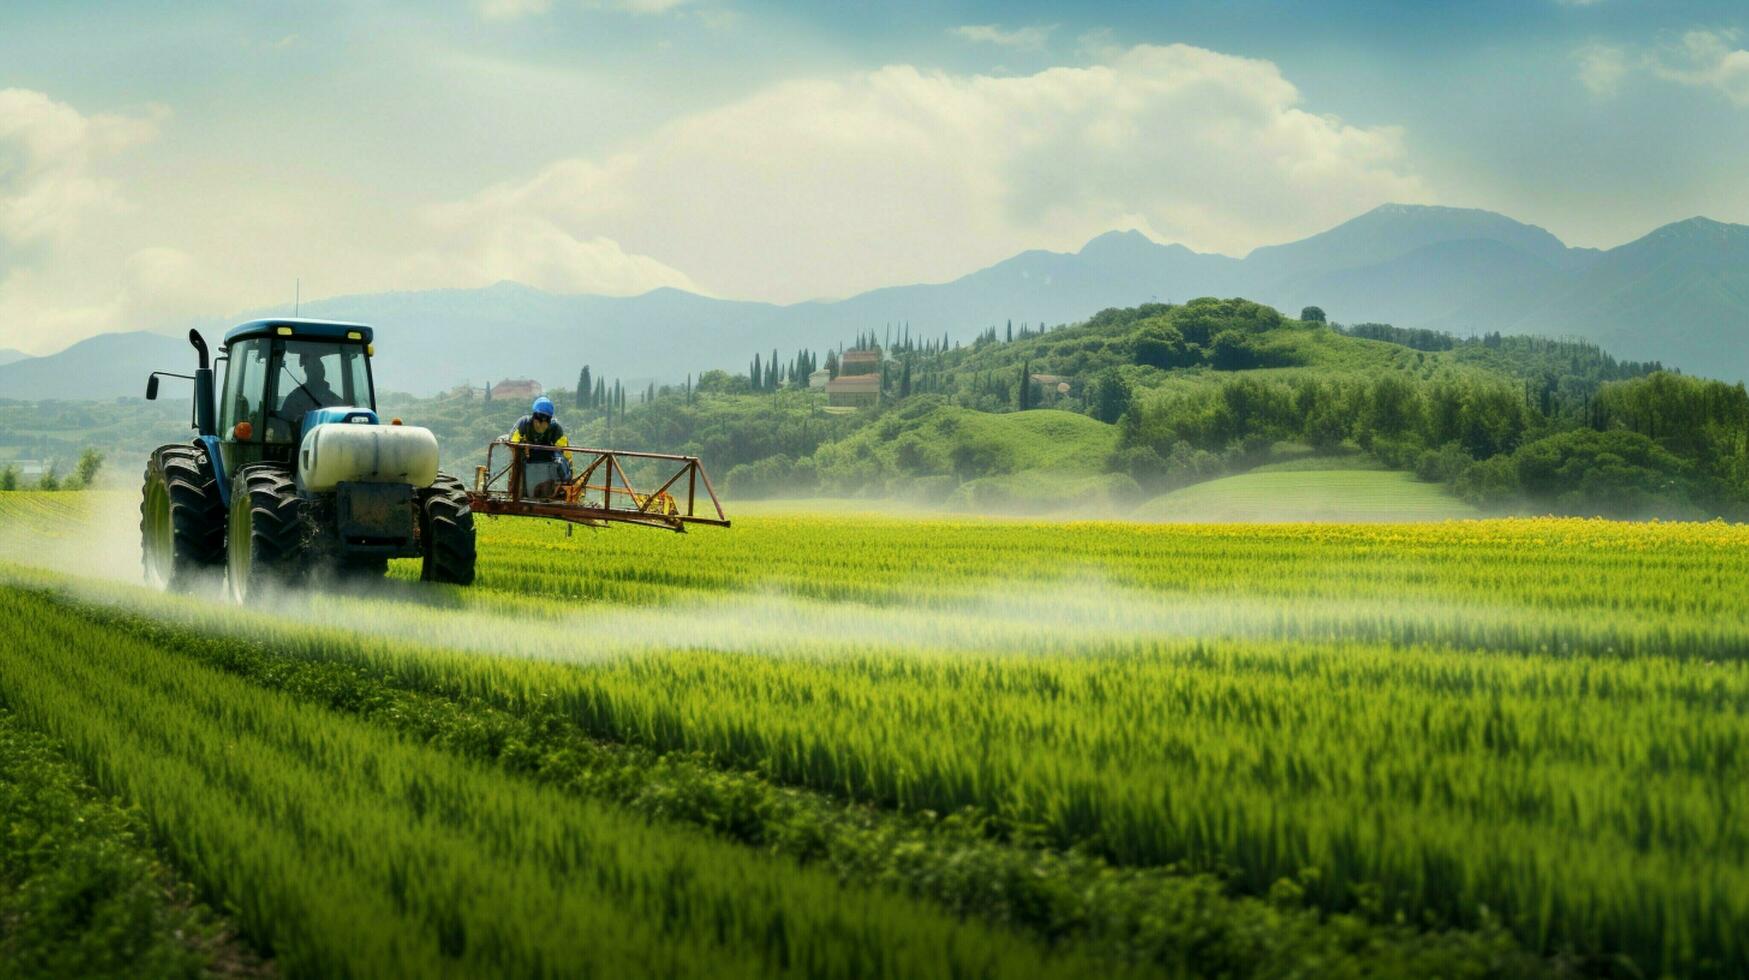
(968, 863)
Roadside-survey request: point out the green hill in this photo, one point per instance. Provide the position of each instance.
(930, 451)
(1308, 495)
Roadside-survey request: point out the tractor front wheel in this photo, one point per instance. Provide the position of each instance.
(265, 539)
(182, 519)
(446, 532)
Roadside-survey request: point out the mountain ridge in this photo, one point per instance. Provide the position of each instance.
(1679, 294)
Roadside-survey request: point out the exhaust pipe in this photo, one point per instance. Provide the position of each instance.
(205, 418)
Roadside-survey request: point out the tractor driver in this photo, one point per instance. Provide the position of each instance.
(539, 428)
(308, 394)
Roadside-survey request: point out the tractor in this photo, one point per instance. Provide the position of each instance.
(292, 475)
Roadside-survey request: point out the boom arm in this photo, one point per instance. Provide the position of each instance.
(602, 492)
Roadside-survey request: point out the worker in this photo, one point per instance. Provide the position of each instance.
(541, 429)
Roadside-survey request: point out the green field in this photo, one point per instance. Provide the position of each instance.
(850, 745)
(1308, 495)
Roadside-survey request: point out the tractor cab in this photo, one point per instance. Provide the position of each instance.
(285, 377)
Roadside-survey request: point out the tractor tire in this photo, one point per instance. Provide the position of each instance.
(182, 519)
(446, 532)
(265, 537)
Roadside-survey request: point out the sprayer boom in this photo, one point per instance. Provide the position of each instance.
(597, 488)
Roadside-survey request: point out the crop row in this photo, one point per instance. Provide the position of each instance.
(347, 851)
(1587, 799)
(1687, 571)
(82, 893)
(965, 863)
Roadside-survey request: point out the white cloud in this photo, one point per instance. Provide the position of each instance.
(829, 186)
(62, 272)
(1022, 38)
(1707, 59)
(1601, 68)
(808, 187)
(49, 151)
(1701, 59)
(490, 240)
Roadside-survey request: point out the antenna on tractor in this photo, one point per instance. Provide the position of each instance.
(297, 295)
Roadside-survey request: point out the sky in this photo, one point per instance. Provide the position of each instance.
(164, 160)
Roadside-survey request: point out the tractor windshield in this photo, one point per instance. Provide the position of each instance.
(316, 375)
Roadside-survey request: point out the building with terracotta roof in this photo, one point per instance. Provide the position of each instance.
(860, 362)
(856, 390)
(516, 389)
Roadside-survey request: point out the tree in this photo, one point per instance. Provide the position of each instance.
(9, 478)
(1110, 397)
(486, 399)
(1312, 314)
(754, 375)
(832, 364)
(49, 480)
(1164, 347)
(1231, 350)
(584, 388)
(85, 471)
(1025, 400)
(905, 380)
(1011, 331)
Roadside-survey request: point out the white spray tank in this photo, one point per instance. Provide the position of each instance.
(361, 452)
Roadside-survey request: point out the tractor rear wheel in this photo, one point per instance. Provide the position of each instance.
(182, 519)
(265, 539)
(446, 532)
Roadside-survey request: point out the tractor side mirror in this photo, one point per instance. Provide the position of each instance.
(152, 388)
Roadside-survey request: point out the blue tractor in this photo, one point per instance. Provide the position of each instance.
(292, 475)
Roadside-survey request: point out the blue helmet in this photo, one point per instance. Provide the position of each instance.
(544, 406)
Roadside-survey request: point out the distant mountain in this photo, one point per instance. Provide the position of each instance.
(1679, 294)
(8, 355)
(104, 367)
(1391, 231)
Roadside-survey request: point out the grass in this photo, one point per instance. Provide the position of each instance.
(965, 863)
(1295, 494)
(82, 890)
(350, 852)
(1441, 727)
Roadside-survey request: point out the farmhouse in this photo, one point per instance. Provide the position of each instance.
(860, 362)
(859, 391)
(516, 389)
(818, 379)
